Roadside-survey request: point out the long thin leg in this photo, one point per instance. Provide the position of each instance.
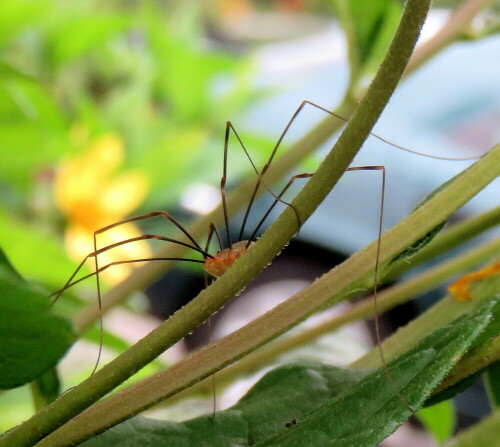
(96, 252)
(213, 230)
(266, 215)
(163, 214)
(373, 134)
(223, 183)
(122, 222)
(266, 166)
(128, 261)
(109, 227)
(377, 255)
(229, 128)
(282, 136)
(126, 241)
(101, 269)
(376, 279)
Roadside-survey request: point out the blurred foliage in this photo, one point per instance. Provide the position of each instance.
(72, 72)
(369, 28)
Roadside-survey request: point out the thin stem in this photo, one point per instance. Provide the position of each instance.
(446, 240)
(438, 315)
(474, 361)
(259, 255)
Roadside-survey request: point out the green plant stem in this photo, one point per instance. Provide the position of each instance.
(143, 276)
(473, 362)
(486, 433)
(348, 27)
(438, 315)
(446, 240)
(333, 286)
(38, 399)
(386, 300)
(259, 255)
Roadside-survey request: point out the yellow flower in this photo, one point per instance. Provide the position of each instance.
(90, 197)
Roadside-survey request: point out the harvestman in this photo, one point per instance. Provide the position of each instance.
(216, 265)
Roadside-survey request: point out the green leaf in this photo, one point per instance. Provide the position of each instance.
(481, 290)
(453, 390)
(490, 288)
(344, 420)
(32, 339)
(292, 392)
(330, 406)
(228, 429)
(414, 248)
(439, 420)
(6, 268)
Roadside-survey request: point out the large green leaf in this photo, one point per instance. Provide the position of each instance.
(314, 404)
(228, 429)
(32, 338)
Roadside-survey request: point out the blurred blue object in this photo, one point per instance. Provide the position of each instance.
(450, 107)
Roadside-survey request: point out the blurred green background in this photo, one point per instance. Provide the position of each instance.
(114, 107)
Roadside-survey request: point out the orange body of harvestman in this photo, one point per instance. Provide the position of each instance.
(222, 260)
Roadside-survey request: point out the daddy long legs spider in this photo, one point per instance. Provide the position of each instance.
(217, 263)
